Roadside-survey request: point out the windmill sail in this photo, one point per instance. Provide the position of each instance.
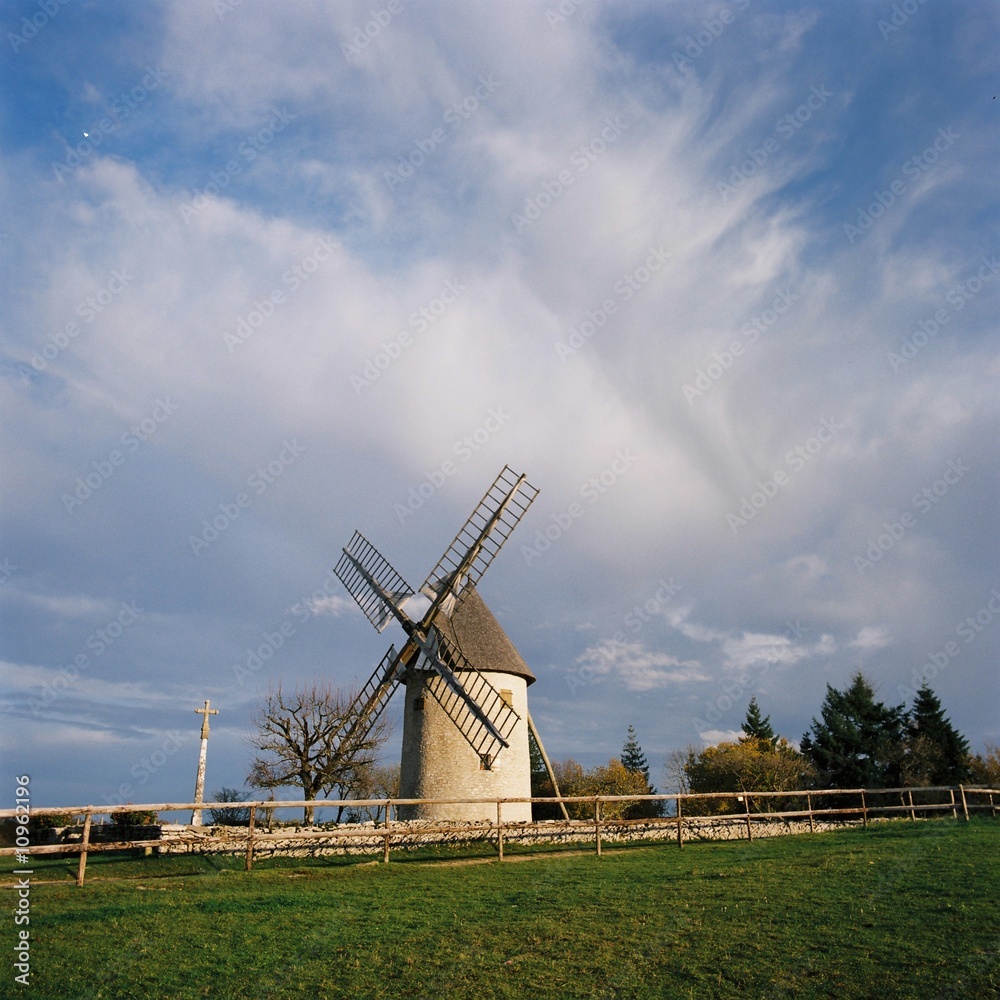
(480, 539)
(478, 710)
(374, 696)
(379, 590)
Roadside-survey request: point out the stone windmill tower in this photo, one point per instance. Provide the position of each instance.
(465, 717)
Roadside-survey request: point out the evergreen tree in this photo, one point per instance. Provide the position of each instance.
(757, 728)
(634, 761)
(936, 752)
(858, 742)
(633, 758)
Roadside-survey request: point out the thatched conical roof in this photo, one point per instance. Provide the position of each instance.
(473, 629)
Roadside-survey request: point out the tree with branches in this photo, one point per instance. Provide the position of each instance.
(857, 742)
(301, 739)
(936, 753)
(756, 726)
(634, 761)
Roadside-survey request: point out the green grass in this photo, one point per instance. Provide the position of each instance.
(897, 910)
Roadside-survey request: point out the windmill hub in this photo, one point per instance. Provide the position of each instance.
(465, 716)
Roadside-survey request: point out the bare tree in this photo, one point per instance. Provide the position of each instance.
(302, 739)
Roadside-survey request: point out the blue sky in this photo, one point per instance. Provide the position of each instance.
(721, 278)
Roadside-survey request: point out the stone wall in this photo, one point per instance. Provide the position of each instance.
(369, 838)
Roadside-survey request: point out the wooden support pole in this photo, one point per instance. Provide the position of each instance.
(253, 819)
(864, 810)
(965, 805)
(746, 803)
(809, 807)
(913, 812)
(597, 823)
(499, 831)
(548, 765)
(83, 849)
(680, 824)
(954, 811)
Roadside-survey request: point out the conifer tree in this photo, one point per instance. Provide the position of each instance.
(858, 742)
(634, 761)
(633, 758)
(757, 728)
(936, 752)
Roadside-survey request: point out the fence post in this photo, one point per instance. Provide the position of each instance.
(746, 804)
(83, 848)
(386, 835)
(965, 805)
(954, 811)
(913, 812)
(809, 807)
(499, 830)
(597, 823)
(253, 819)
(864, 810)
(680, 824)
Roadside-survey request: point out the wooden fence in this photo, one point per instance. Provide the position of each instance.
(691, 811)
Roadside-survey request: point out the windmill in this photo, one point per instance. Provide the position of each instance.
(465, 717)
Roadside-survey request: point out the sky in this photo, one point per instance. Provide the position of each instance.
(720, 278)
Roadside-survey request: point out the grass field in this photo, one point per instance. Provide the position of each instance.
(898, 910)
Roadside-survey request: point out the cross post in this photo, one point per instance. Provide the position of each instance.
(199, 787)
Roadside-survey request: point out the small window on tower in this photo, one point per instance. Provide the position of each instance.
(507, 697)
(418, 704)
(485, 762)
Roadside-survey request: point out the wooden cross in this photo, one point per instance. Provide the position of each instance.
(199, 785)
(206, 711)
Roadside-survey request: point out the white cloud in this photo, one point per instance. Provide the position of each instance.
(637, 666)
(872, 637)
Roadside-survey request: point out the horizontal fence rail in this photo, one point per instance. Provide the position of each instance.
(692, 811)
